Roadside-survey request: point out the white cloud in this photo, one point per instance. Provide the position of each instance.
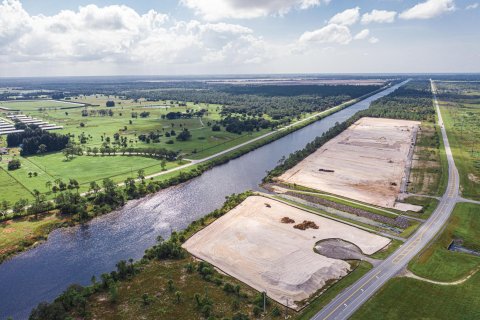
(346, 18)
(331, 33)
(214, 10)
(472, 6)
(362, 34)
(379, 16)
(118, 34)
(373, 40)
(428, 9)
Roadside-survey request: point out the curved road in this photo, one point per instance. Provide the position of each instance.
(347, 302)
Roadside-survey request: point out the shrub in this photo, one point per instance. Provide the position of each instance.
(14, 164)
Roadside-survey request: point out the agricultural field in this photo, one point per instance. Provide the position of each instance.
(409, 298)
(460, 105)
(33, 106)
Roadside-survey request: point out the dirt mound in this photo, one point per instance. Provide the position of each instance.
(287, 220)
(306, 225)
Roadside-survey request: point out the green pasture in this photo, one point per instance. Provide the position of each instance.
(34, 105)
(84, 169)
(461, 115)
(436, 262)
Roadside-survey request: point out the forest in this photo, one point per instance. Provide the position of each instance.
(412, 101)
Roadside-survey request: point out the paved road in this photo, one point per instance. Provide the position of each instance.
(347, 302)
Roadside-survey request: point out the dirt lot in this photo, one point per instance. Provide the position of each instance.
(253, 245)
(366, 162)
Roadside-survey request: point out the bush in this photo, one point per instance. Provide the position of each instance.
(216, 127)
(14, 164)
(184, 135)
(110, 103)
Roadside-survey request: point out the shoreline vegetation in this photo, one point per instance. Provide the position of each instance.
(72, 208)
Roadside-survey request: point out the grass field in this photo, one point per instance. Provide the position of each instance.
(426, 172)
(10, 189)
(438, 263)
(34, 105)
(460, 105)
(407, 298)
(82, 168)
(15, 235)
(97, 129)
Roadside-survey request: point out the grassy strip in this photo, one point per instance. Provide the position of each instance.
(428, 206)
(355, 204)
(436, 262)
(386, 252)
(317, 304)
(406, 298)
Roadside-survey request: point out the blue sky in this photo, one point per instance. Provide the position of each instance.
(85, 37)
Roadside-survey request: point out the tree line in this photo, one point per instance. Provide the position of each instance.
(33, 138)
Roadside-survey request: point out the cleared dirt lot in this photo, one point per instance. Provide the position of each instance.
(253, 245)
(366, 162)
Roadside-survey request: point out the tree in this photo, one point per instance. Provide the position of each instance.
(163, 164)
(178, 295)
(171, 287)
(14, 164)
(4, 207)
(42, 148)
(184, 135)
(141, 174)
(94, 187)
(110, 103)
(19, 206)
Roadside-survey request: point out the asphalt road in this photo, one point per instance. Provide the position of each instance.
(347, 302)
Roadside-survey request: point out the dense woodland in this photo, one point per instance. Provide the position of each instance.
(35, 140)
(412, 101)
(276, 101)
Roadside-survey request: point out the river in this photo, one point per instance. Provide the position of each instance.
(73, 255)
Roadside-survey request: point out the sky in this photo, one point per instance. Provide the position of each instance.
(190, 37)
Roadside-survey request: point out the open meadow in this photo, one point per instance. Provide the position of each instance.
(460, 105)
(408, 298)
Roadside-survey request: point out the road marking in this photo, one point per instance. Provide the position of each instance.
(345, 300)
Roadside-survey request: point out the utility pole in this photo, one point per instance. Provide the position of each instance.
(265, 302)
(286, 310)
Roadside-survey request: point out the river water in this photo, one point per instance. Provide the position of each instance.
(73, 255)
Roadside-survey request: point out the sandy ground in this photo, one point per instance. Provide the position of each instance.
(251, 244)
(368, 160)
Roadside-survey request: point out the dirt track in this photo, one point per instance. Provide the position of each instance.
(253, 245)
(366, 162)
